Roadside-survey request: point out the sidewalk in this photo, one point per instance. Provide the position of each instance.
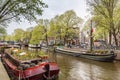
(118, 54)
(3, 73)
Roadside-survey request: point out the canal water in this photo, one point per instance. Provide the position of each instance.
(74, 68)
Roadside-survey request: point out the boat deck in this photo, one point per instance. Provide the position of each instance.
(75, 49)
(84, 50)
(3, 72)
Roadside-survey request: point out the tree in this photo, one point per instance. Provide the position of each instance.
(27, 35)
(37, 34)
(19, 9)
(106, 8)
(2, 30)
(101, 27)
(18, 34)
(44, 23)
(63, 26)
(9, 38)
(56, 28)
(69, 20)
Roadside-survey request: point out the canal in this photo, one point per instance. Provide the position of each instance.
(73, 68)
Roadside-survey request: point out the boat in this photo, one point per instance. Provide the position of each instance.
(12, 46)
(103, 57)
(9, 44)
(29, 69)
(34, 45)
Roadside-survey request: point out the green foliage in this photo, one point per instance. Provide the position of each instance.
(15, 9)
(55, 28)
(107, 14)
(2, 30)
(101, 27)
(27, 35)
(63, 26)
(37, 35)
(70, 20)
(18, 34)
(9, 38)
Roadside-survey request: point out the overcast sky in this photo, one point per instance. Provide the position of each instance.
(55, 7)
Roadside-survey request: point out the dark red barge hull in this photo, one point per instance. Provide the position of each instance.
(37, 72)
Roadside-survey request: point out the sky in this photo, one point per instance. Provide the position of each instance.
(55, 7)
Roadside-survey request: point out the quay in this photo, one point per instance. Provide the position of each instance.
(3, 72)
(118, 55)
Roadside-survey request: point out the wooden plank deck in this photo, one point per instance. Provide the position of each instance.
(3, 72)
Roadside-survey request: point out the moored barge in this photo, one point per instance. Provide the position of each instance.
(30, 69)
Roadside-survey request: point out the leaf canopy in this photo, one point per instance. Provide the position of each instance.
(19, 9)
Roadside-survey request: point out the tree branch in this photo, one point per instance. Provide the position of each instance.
(4, 6)
(9, 18)
(7, 11)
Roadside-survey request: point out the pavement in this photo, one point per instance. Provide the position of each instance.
(3, 72)
(118, 55)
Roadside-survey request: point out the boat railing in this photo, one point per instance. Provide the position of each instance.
(12, 59)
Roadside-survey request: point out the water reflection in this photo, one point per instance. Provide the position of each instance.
(72, 68)
(82, 69)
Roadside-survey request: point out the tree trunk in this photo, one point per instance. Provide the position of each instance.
(110, 37)
(115, 38)
(47, 39)
(105, 37)
(113, 32)
(64, 40)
